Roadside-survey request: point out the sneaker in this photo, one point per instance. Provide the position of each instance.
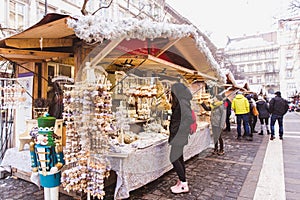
(178, 183)
(239, 138)
(221, 153)
(280, 137)
(261, 133)
(181, 188)
(255, 131)
(272, 137)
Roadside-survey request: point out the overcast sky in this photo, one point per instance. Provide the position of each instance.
(231, 18)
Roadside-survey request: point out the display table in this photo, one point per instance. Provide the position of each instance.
(145, 165)
(134, 169)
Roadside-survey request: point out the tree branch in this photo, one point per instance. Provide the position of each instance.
(102, 7)
(83, 10)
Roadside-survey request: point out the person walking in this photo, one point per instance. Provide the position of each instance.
(227, 104)
(263, 114)
(255, 98)
(241, 108)
(252, 122)
(179, 127)
(278, 108)
(217, 121)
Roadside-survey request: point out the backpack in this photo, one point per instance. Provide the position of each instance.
(193, 126)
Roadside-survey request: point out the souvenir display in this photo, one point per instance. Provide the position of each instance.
(12, 94)
(89, 122)
(199, 96)
(47, 157)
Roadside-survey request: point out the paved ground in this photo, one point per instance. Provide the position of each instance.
(232, 176)
(209, 176)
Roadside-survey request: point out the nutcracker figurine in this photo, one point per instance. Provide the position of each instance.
(47, 157)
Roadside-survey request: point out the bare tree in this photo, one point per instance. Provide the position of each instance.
(294, 5)
(85, 12)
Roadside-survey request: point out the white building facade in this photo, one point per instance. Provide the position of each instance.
(256, 59)
(17, 15)
(289, 40)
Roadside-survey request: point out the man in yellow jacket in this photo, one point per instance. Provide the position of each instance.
(240, 106)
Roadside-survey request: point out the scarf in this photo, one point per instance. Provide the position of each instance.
(216, 104)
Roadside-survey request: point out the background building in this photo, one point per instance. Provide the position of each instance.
(289, 40)
(256, 60)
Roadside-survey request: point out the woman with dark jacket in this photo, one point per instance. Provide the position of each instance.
(264, 114)
(181, 120)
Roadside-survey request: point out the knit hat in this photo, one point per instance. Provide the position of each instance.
(278, 93)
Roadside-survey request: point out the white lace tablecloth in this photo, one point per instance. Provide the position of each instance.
(135, 169)
(145, 165)
(14, 158)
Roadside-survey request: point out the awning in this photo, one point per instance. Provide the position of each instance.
(54, 36)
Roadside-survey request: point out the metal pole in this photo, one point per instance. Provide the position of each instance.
(46, 5)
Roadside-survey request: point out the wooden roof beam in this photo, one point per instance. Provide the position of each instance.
(27, 43)
(26, 54)
(180, 68)
(166, 47)
(107, 49)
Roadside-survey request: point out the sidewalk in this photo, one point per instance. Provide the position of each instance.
(231, 176)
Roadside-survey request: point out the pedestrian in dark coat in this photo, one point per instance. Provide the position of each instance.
(227, 104)
(264, 114)
(181, 120)
(251, 115)
(255, 98)
(278, 108)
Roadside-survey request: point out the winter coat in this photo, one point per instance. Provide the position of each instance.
(227, 104)
(240, 104)
(278, 106)
(181, 117)
(218, 114)
(263, 109)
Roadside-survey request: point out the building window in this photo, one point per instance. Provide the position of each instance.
(289, 74)
(17, 15)
(289, 64)
(259, 67)
(41, 10)
(270, 67)
(241, 68)
(261, 55)
(250, 80)
(258, 79)
(250, 68)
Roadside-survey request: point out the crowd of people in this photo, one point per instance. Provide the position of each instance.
(248, 109)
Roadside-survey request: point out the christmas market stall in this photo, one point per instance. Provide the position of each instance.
(117, 111)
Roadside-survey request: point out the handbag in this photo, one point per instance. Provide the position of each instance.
(255, 111)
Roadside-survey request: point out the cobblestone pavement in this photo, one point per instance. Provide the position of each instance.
(209, 176)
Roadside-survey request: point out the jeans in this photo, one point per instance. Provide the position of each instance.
(280, 123)
(245, 119)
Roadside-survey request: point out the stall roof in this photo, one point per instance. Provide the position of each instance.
(53, 38)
